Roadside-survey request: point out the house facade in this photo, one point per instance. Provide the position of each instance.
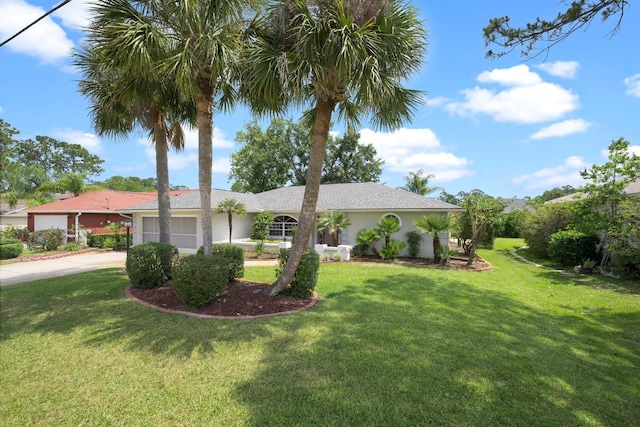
(92, 211)
(364, 204)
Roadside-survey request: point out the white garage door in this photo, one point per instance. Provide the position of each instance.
(45, 222)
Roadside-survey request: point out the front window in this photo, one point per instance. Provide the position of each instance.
(282, 227)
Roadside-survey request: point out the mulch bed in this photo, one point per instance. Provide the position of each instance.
(242, 299)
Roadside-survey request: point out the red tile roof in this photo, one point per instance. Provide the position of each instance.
(100, 201)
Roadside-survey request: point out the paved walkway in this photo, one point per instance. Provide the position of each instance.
(27, 271)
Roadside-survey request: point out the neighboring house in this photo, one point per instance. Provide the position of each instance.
(363, 203)
(631, 190)
(91, 211)
(13, 216)
(516, 204)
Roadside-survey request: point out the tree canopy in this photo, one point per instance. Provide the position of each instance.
(35, 169)
(549, 32)
(279, 157)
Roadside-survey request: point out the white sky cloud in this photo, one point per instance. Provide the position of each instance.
(563, 128)
(189, 157)
(46, 40)
(91, 142)
(74, 15)
(565, 174)
(437, 101)
(519, 75)
(635, 149)
(407, 150)
(566, 69)
(633, 85)
(527, 100)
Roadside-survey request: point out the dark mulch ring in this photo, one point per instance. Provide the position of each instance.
(242, 298)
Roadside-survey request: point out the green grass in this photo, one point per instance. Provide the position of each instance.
(386, 345)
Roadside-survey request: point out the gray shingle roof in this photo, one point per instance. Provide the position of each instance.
(346, 197)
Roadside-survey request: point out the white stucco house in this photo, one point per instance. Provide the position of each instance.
(363, 203)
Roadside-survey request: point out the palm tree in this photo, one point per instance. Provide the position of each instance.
(125, 91)
(418, 184)
(231, 207)
(387, 226)
(205, 40)
(323, 55)
(333, 222)
(195, 44)
(434, 225)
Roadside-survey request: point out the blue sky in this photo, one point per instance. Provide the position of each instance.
(510, 127)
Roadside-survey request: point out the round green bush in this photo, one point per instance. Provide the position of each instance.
(10, 241)
(572, 247)
(198, 278)
(234, 256)
(10, 250)
(304, 281)
(149, 265)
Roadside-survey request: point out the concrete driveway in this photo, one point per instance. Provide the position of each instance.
(27, 271)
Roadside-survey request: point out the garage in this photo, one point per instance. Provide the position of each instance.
(45, 222)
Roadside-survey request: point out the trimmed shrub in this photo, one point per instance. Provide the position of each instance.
(540, 225)
(198, 278)
(413, 243)
(46, 240)
(10, 248)
(306, 277)
(108, 241)
(392, 249)
(71, 247)
(572, 247)
(149, 265)
(260, 226)
(234, 256)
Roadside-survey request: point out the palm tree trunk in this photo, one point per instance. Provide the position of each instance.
(205, 161)
(307, 219)
(162, 176)
(436, 248)
(230, 225)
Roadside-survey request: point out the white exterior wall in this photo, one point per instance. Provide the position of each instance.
(364, 220)
(359, 221)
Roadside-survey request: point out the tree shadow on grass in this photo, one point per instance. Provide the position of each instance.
(95, 304)
(396, 346)
(406, 349)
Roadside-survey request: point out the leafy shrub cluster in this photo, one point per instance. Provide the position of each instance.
(71, 247)
(540, 225)
(10, 248)
(413, 243)
(13, 232)
(305, 280)
(232, 255)
(392, 249)
(149, 265)
(260, 226)
(198, 278)
(572, 247)
(46, 240)
(108, 241)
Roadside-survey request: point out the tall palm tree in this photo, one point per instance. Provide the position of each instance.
(333, 222)
(126, 91)
(323, 55)
(206, 37)
(419, 184)
(434, 225)
(231, 207)
(196, 44)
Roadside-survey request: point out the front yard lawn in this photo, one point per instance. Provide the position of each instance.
(386, 345)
